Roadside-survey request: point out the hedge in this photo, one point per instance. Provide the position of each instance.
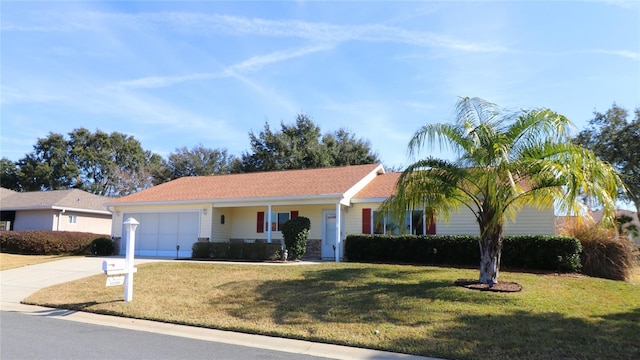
(236, 251)
(41, 242)
(526, 252)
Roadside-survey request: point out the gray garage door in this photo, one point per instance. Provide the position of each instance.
(159, 233)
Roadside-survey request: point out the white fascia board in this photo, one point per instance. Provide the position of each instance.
(101, 212)
(262, 201)
(58, 208)
(146, 203)
(275, 201)
(368, 200)
(363, 182)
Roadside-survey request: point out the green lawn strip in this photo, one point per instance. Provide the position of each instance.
(415, 309)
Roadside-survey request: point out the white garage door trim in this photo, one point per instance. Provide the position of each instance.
(160, 232)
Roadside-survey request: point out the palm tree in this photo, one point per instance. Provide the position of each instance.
(505, 160)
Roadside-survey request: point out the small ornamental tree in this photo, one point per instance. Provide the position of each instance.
(296, 233)
(505, 160)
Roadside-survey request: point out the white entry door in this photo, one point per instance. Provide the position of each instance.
(328, 234)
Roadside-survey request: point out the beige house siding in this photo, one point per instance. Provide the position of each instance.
(221, 232)
(353, 218)
(531, 220)
(244, 220)
(98, 224)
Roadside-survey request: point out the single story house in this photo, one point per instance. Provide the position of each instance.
(252, 207)
(57, 210)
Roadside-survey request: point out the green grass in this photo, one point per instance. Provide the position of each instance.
(416, 309)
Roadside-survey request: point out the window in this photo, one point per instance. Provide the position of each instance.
(277, 220)
(414, 224)
(384, 225)
(73, 219)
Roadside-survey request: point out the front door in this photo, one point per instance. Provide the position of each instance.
(328, 234)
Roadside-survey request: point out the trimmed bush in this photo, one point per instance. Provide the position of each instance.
(296, 233)
(561, 253)
(40, 242)
(103, 246)
(527, 252)
(236, 251)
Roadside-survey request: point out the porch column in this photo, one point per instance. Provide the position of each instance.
(269, 225)
(338, 231)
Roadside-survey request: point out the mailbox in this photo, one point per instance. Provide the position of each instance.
(115, 267)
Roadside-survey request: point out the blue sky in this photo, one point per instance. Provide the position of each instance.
(178, 73)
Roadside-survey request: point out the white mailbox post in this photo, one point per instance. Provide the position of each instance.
(130, 225)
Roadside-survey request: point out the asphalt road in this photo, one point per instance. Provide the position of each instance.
(32, 337)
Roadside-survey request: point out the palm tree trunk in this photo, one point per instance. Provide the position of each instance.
(490, 253)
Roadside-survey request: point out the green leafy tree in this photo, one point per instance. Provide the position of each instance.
(505, 160)
(302, 146)
(10, 175)
(197, 162)
(345, 149)
(49, 166)
(104, 164)
(105, 159)
(616, 140)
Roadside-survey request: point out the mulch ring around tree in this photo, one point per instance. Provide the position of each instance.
(503, 286)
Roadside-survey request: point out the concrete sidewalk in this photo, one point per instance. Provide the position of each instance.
(17, 284)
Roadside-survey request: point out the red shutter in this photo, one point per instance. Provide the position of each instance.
(431, 224)
(294, 214)
(366, 221)
(260, 224)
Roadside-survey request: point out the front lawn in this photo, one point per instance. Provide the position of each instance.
(12, 261)
(415, 309)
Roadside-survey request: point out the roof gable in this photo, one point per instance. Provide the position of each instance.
(308, 183)
(382, 187)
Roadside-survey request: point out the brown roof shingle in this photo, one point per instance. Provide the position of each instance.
(383, 186)
(273, 184)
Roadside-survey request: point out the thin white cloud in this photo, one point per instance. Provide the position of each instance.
(316, 31)
(625, 4)
(251, 64)
(13, 95)
(621, 53)
(205, 24)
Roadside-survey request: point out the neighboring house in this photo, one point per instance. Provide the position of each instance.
(57, 210)
(252, 207)
(597, 216)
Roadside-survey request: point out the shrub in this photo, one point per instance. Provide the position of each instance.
(236, 251)
(296, 233)
(530, 252)
(561, 253)
(103, 246)
(605, 254)
(40, 242)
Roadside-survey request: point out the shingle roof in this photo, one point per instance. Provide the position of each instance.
(74, 198)
(274, 184)
(382, 186)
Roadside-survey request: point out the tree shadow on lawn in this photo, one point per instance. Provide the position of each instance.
(357, 295)
(524, 335)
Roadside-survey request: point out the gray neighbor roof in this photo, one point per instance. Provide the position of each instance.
(74, 199)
